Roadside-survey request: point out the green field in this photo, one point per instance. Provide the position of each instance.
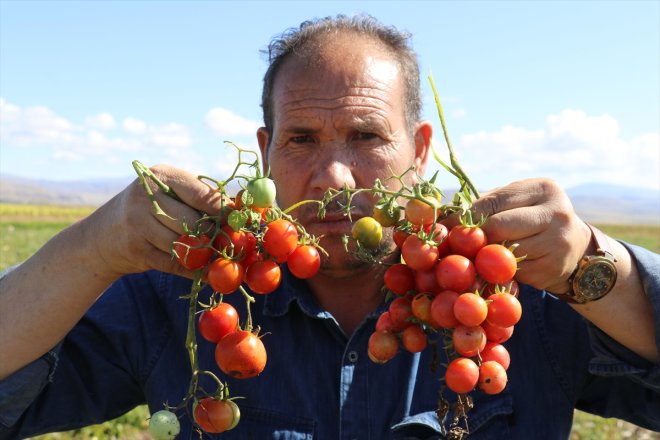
(24, 228)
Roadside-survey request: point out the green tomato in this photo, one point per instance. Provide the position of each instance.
(164, 425)
(368, 232)
(262, 191)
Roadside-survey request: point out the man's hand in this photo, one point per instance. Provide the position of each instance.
(537, 215)
(123, 236)
(130, 237)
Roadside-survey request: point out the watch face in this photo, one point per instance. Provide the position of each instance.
(596, 280)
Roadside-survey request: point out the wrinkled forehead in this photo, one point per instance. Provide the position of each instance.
(336, 67)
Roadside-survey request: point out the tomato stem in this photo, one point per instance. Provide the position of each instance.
(452, 157)
(248, 303)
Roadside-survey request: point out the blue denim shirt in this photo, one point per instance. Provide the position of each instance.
(319, 383)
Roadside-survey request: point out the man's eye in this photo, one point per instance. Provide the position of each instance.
(364, 136)
(303, 139)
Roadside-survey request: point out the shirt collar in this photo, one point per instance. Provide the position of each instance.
(291, 290)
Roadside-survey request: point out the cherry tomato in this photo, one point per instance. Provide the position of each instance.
(262, 191)
(399, 278)
(280, 238)
(504, 310)
(462, 375)
(496, 352)
(425, 281)
(442, 309)
(455, 272)
(399, 236)
(241, 354)
(470, 309)
(368, 232)
(495, 264)
(385, 323)
(492, 377)
(382, 347)
(468, 341)
(216, 323)
(304, 262)
(387, 218)
(164, 425)
(421, 213)
(234, 244)
(439, 233)
(225, 276)
(419, 254)
(193, 252)
(263, 276)
(414, 339)
(421, 306)
(215, 416)
(467, 240)
(495, 333)
(400, 312)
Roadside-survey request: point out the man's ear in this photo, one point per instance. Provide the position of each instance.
(263, 138)
(423, 135)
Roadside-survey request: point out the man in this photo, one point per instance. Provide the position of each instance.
(341, 106)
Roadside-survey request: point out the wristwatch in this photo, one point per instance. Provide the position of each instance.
(595, 275)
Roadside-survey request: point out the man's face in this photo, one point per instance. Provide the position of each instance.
(340, 122)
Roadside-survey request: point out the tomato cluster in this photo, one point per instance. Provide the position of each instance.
(454, 284)
(245, 244)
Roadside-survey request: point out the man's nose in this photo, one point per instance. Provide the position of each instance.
(334, 169)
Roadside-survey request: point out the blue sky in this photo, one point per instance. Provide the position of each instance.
(562, 89)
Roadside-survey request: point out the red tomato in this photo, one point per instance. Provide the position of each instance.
(280, 238)
(418, 254)
(495, 333)
(468, 341)
(385, 323)
(496, 352)
(192, 252)
(216, 416)
(225, 276)
(495, 264)
(455, 272)
(241, 354)
(382, 347)
(234, 244)
(414, 339)
(399, 236)
(263, 276)
(504, 310)
(399, 278)
(492, 377)
(425, 281)
(439, 234)
(442, 309)
(304, 262)
(462, 375)
(470, 309)
(467, 240)
(400, 312)
(216, 323)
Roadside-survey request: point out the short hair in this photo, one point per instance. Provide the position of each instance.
(306, 37)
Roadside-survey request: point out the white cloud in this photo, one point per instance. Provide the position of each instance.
(171, 135)
(102, 121)
(225, 123)
(572, 148)
(134, 126)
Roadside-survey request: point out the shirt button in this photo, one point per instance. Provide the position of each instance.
(353, 356)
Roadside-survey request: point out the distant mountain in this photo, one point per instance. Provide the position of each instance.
(15, 189)
(594, 202)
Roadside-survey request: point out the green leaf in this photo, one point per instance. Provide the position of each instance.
(237, 220)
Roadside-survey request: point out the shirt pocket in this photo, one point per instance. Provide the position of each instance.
(488, 420)
(265, 424)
